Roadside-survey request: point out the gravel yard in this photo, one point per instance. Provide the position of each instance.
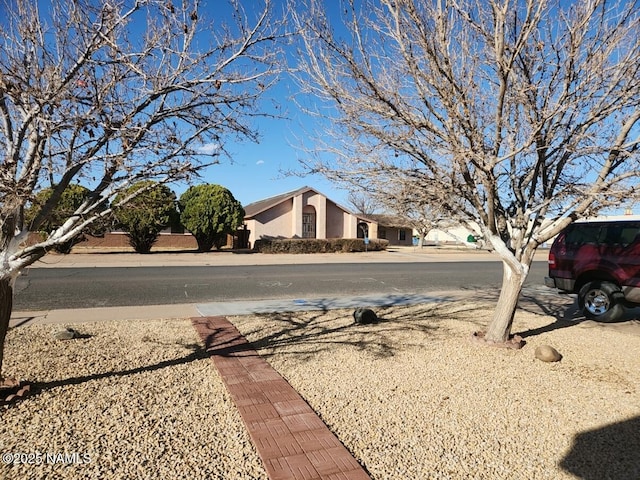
(133, 400)
(410, 397)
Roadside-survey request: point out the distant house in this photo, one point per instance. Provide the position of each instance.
(303, 213)
(307, 213)
(394, 229)
(455, 235)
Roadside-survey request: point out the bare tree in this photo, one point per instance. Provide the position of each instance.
(399, 198)
(419, 207)
(108, 93)
(519, 115)
(362, 202)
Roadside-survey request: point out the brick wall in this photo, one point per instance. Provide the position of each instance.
(119, 241)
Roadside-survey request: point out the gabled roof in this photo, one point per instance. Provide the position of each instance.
(253, 209)
(390, 221)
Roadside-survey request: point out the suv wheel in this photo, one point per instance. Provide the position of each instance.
(600, 301)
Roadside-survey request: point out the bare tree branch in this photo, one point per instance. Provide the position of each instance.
(111, 93)
(86, 95)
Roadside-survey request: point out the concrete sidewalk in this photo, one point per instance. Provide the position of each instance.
(103, 314)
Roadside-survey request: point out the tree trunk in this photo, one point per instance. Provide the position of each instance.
(500, 327)
(6, 305)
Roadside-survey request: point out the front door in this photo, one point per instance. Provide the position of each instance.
(309, 225)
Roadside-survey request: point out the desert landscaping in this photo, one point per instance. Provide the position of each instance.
(410, 396)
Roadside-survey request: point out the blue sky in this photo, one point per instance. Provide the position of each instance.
(257, 171)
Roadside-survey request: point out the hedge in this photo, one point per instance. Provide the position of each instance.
(316, 245)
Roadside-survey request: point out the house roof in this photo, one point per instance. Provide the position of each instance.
(253, 209)
(391, 221)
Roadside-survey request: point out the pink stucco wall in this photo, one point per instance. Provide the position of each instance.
(274, 222)
(285, 219)
(336, 221)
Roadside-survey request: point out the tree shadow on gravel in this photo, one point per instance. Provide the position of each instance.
(308, 333)
(539, 301)
(314, 334)
(197, 353)
(305, 334)
(562, 307)
(542, 301)
(608, 452)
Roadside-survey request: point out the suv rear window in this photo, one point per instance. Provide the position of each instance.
(622, 234)
(585, 234)
(602, 234)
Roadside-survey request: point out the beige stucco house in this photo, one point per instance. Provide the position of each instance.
(307, 213)
(303, 213)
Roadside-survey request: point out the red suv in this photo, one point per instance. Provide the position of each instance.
(600, 261)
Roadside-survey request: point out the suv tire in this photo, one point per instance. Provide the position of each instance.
(600, 301)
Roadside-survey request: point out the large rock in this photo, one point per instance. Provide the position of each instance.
(66, 334)
(547, 353)
(364, 316)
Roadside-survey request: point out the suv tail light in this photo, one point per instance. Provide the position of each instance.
(552, 260)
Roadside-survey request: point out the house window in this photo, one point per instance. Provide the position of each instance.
(308, 225)
(382, 233)
(402, 235)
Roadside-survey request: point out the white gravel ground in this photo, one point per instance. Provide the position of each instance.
(411, 397)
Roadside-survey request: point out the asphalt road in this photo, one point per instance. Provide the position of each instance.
(58, 288)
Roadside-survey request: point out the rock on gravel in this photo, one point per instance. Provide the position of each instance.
(410, 396)
(547, 353)
(129, 400)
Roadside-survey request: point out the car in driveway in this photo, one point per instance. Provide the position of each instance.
(600, 262)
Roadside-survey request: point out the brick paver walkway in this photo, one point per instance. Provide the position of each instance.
(293, 442)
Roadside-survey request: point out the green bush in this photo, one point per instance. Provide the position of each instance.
(316, 245)
(210, 213)
(144, 216)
